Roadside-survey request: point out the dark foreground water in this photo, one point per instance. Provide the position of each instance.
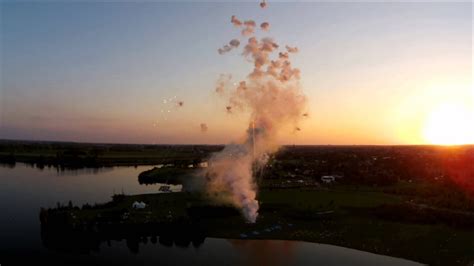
(24, 190)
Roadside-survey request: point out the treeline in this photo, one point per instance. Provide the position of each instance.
(374, 165)
(78, 155)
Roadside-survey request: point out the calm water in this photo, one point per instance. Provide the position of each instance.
(24, 190)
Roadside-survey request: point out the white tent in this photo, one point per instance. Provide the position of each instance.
(139, 205)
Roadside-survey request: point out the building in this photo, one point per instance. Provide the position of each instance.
(328, 179)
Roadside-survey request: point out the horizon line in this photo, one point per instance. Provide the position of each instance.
(222, 144)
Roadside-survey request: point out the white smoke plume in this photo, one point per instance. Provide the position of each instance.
(272, 96)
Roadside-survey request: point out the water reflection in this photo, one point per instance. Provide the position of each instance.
(187, 245)
(62, 170)
(10, 165)
(83, 171)
(84, 239)
(263, 252)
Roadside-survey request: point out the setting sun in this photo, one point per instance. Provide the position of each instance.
(450, 124)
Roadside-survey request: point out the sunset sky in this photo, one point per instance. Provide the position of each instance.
(374, 73)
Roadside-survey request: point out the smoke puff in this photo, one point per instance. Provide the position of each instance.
(222, 83)
(228, 47)
(291, 49)
(203, 127)
(247, 31)
(234, 43)
(235, 21)
(250, 23)
(249, 28)
(268, 45)
(265, 26)
(283, 55)
(242, 86)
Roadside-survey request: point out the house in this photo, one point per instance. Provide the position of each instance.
(139, 205)
(328, 179)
